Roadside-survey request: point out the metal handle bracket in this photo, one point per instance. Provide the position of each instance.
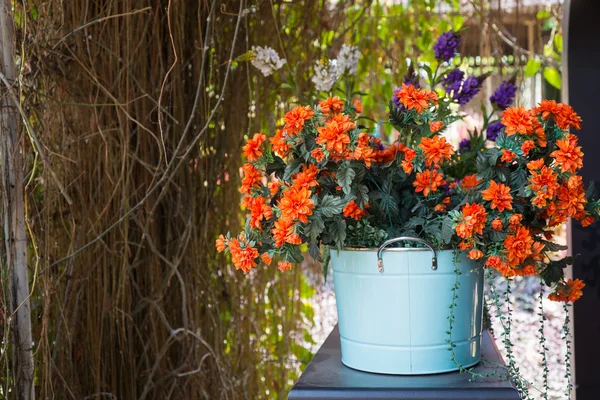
(400, 239)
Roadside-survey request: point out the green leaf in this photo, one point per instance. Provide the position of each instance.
(314, 227)
(551, 246)
(292, 253)
(326, 261)
(361, 195)
(331, 206)
(337, 231)
(344, 176)
(497, 236)
(554, 271)
(314, 249)
(277, 166)
(558, 42)
(457, 22)
(532, 67)
(447, 230)
(553, 77)
(543, 14)
(291, 169)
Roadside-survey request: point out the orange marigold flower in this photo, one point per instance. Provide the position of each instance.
(307, 177)
(266, 259)
(414, 98)
(537, 251)
(435, 126)
(243, 258)
(563, 114)
(497, 224)
(294, 119)
(587, 221)
(253, 149)
(274, 187)
(296, 204)
(472, 220)
(439, 207)
(517, 120)
(469, 182)
(571, 198)
(435, 149)
(544, 184)
(508, 156)
(318, 154)
(567, 117)
(568, 292)
(535, 165)
(499, 265)
(358, 106)
(499, 195)
(221, 243)
(388, 154)
(528, 270)
(538, 131)
(363, 150)
(284, 266)
(568, 156)
(333, 135)
(466, 244)
(279, 145)
(518, 246)
(527, 146)
(547, 108)
(331, 105)
(352, 210)
(475, 254)
(406, 163)
(251, 180)
(447, 200)
(259, 210)
(284, 232)
(515, 221)
(428, 182)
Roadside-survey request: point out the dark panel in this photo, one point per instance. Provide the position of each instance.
(582, 91)
(326, 378)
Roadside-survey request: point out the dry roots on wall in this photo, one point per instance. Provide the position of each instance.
(129, 298)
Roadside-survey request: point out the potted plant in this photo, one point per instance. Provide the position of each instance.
(322, 183)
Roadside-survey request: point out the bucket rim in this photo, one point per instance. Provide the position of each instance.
(392, 249)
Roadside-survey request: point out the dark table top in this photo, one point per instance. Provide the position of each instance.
(327, 378)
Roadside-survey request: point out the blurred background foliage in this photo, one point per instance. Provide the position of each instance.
(143, 107)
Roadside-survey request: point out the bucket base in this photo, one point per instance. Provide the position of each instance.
(396, 360)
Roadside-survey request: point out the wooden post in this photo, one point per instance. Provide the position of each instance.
(581, 68)
(12, 165)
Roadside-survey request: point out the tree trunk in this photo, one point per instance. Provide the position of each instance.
(11, 157)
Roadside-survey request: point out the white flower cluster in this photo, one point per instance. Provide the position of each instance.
(326, 74)
(347, 59)
(266, 60)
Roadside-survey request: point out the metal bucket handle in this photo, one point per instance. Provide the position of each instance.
(400, 239)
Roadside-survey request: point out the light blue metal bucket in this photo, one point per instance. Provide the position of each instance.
(393, 310)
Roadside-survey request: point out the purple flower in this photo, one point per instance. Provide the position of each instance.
(470, 87)
(464, 144)
(493, 130)
(446, 46)
(504, 95)
(453, 80)
(396, 99)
